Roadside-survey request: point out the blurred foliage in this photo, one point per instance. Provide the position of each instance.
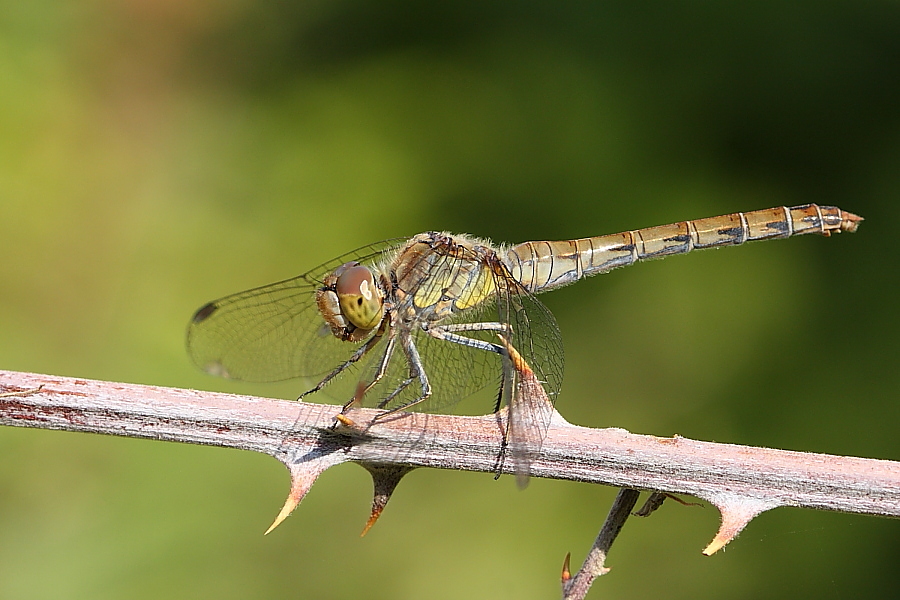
(155, 155)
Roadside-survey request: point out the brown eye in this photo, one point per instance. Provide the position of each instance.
(362, 303)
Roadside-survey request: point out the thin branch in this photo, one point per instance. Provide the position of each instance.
(594, 566)
(741, 481)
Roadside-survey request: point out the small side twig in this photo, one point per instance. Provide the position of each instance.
(576, 588)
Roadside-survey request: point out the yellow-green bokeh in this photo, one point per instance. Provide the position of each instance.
(156, 155)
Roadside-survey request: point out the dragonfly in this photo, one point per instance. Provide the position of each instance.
(422, 322)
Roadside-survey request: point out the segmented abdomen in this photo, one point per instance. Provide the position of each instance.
(542, 266)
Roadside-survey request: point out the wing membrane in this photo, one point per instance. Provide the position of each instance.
(274, 332)
(532, 384)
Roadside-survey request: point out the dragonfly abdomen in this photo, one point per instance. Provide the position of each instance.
(542, 266)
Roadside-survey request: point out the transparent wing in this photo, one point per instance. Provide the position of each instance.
(532, 384)
(274, 332)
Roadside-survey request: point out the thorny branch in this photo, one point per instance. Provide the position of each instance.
(741, 481)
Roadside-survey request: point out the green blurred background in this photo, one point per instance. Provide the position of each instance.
(157, 154)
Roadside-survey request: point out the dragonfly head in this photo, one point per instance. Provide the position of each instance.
(351, 303)
(360, 299)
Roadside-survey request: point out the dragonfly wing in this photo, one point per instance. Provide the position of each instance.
(274, 332)
(533, 371)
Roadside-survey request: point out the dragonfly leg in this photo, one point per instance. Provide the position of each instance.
(447, 333)
(382, 369)
(499, 401)
(360, 352)
(394, 394)
(487, 326)
(416, 371)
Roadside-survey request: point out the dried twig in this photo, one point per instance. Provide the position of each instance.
(576, 588)
(741, 481)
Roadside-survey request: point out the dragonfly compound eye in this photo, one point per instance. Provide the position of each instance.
(362, 302)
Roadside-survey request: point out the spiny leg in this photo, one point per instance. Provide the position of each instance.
(416, 371)
(382, 369)
(403, 385)
(503, 379)
(485, 326)
(360, 352)
(448, 333)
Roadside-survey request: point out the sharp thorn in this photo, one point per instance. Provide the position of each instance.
(566, 574)
(737, 512)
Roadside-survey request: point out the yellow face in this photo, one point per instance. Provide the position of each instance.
(361, 301)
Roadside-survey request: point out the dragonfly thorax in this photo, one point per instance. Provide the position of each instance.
(438, 275)
(351, 302)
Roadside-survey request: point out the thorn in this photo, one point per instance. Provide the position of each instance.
(289, 505)
(303, 476)
(346, 421)
(299, 487)
(737, 512)
(385, 479)
(566, 575)
(345, 425)
(376, 512)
